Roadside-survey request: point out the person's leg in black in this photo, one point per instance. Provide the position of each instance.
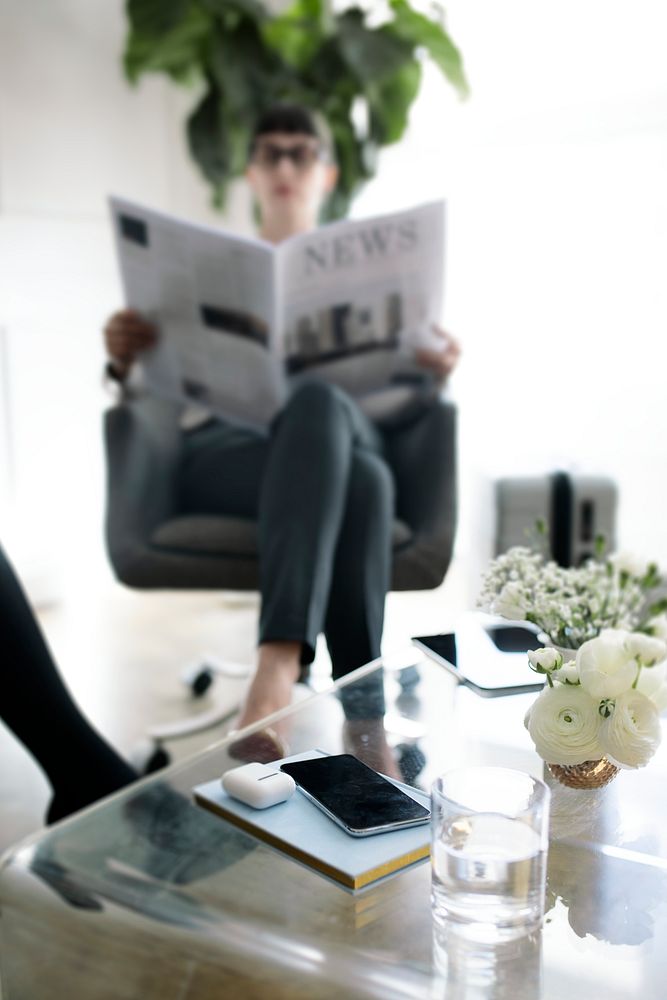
(295, 480)
(35, 704)
(362, 568)
(222, 473)
(355, 613)
(302, 506)
(304, 494)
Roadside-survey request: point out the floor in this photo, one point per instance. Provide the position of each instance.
(123, 652)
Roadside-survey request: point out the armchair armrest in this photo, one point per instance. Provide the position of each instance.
(143, 443)
(422, 455)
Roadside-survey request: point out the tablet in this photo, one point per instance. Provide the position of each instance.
(489, 658)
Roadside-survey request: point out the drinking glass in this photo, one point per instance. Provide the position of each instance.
(489, 839)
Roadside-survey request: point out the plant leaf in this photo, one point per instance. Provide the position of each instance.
(390, 100)
(165, 37)
(209, 139)
(252, 9)
(157, 18)
(370, 54)
(243, 69)
(420, 30)
(297, 34)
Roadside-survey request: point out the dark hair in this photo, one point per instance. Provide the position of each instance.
(297, 120)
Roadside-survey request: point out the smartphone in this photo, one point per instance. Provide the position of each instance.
(355, 796)
(490, 659)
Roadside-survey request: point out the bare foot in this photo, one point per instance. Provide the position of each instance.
(271, 687)
(261, 747)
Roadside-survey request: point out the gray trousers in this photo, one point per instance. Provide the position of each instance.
(323, 496)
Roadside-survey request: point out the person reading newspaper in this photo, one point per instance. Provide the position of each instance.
(317, 479)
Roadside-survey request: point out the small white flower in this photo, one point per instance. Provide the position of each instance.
(628, 562)
(510, 602)
(564, 724)
(571, 604)
(646, 649)
(606, 667)
(545, 660)
(631, 735)
(568, 673)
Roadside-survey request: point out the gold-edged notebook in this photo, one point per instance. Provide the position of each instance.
(304, 832)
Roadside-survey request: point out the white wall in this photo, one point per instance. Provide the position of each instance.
(554, 171)
(71, 132)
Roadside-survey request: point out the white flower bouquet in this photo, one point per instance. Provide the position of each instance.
(607, 683)
(605, 703)
(574, 604)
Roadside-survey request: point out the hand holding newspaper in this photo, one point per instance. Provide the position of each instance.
(241, 320)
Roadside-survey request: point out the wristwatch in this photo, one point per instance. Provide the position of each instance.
(111, 372)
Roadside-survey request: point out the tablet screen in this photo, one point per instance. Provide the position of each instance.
(490, 657)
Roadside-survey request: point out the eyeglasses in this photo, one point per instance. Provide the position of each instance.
(303, 155)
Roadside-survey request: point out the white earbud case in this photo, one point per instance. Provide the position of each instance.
(258, 785)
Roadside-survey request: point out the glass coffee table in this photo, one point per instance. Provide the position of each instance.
(147, 895)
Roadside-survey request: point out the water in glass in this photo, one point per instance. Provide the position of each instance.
(488, 876)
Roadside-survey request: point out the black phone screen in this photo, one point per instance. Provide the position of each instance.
(356, 794)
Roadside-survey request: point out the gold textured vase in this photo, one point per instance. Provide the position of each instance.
(590, 774)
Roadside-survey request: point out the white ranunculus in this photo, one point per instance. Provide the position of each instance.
(606, 667)
(646, 649)
(659, 697)
(510, 602)
(630, 563)
(564, 725)
(631, 735)
(653, 683)
(658, 626)
(651, 680)
(545, 659)
(568, 673)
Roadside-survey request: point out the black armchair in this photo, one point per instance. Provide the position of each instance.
(151, 545)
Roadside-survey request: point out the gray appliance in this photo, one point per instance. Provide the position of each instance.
(576, 510)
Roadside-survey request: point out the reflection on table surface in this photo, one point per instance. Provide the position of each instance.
(466, 969)
(147, 895)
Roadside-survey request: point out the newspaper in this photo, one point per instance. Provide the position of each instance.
(241, 321)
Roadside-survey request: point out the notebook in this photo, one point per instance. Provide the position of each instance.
(301, 830)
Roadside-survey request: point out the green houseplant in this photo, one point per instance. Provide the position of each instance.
(350, 65)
